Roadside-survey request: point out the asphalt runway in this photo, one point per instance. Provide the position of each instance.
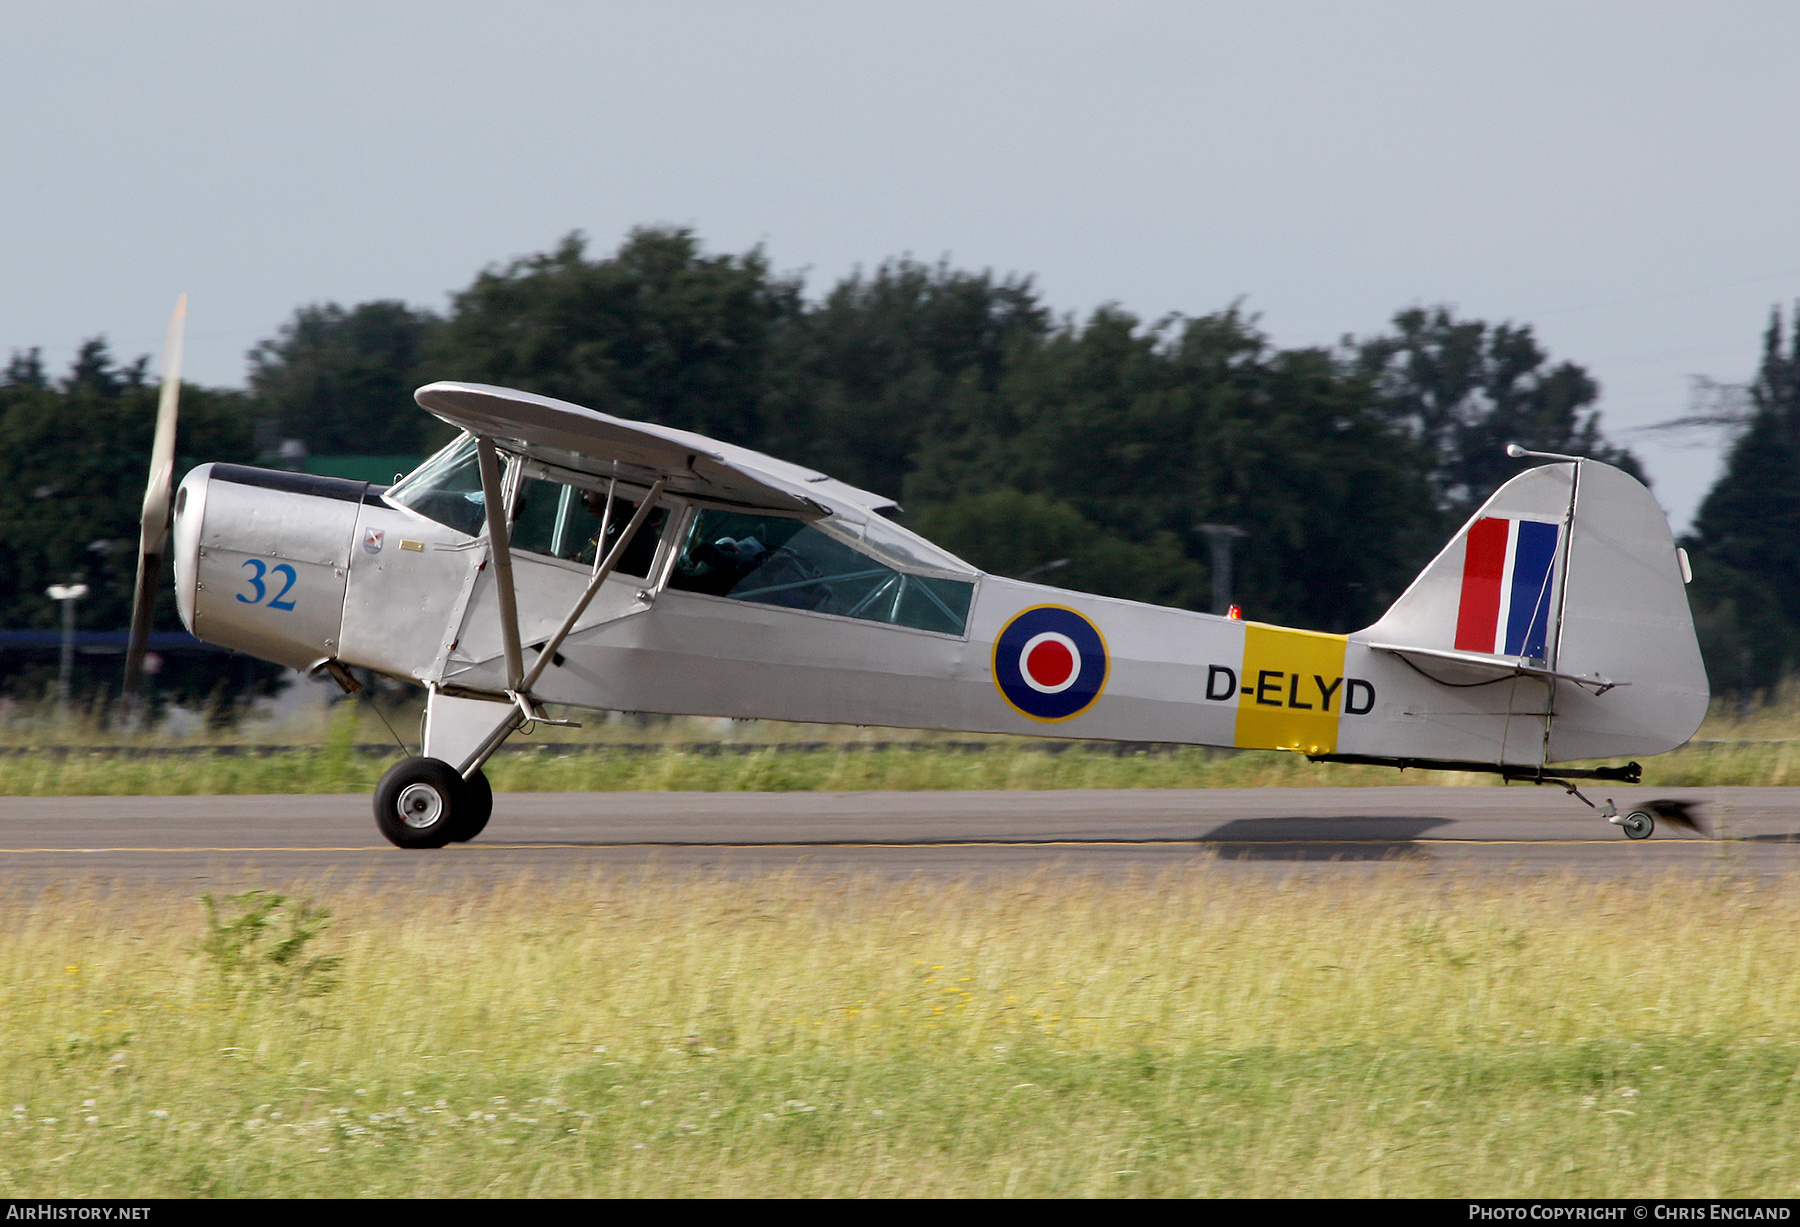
(221, 841)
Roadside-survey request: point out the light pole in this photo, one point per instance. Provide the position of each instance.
(68, 594)
(1220, 536)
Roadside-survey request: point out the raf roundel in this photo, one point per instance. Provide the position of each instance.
(1050, 663)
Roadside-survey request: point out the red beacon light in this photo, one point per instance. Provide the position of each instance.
(1235, 614)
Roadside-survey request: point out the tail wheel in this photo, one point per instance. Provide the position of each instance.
(1638, 824)
(423, 803)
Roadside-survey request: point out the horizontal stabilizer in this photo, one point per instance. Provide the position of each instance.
(1476, 668)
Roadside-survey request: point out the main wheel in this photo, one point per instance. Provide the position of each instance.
(1638, 824)
(422, 803)
(480, 809)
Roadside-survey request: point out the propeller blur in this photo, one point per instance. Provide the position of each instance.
(153, 532)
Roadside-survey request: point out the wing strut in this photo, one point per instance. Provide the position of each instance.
(500, 547)
(518, 681)
(547, 653)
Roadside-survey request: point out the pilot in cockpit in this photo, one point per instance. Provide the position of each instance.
(747, 568)
(640, 552)
(718, 565)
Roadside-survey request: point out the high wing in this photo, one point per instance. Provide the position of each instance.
(569, 436)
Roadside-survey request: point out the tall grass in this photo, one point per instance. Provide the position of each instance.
(318, 752)
(335, 769)
(78, 773)
(1210, 1033)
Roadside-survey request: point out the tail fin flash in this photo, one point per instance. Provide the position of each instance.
(1568, 576)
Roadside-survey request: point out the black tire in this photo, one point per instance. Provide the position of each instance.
(420, 802)
(481, 807)
(1638, 824)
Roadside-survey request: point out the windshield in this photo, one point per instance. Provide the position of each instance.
(446, 488)
(549, 517)
(899, 548)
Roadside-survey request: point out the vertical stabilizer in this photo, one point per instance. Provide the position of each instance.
(1568, 572)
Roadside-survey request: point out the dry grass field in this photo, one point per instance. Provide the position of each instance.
(45, 756)
(75, 771)
(1206, 1034)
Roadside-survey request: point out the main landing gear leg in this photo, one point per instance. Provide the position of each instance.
(442, 797)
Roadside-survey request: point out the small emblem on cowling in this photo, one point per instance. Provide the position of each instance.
(372, 538)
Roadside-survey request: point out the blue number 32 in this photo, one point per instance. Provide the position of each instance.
(262, 589)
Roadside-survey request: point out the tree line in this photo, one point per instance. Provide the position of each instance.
(74, 456)
(1745, 542)
(1086, 450)
(1011, 435)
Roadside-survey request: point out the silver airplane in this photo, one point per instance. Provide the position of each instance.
(553, 554)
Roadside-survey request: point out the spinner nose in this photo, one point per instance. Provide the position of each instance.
(184, 539)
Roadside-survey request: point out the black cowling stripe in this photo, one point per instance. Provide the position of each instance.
(340, 488)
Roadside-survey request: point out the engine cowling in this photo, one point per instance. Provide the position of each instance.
(262, 559)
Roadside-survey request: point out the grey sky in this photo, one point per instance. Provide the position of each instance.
(1620, 176)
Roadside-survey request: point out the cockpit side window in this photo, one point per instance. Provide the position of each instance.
(775, 560)
(566, 521)
(549, 517)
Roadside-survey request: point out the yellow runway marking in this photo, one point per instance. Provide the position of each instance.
(966, 843)
(360, 848)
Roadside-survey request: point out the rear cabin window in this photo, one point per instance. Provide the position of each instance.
(773, 560)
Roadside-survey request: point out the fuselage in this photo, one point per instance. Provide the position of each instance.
(846, 623)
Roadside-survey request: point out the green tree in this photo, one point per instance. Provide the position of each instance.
(1465, 389)
(341, 381)
(74, 458)
(25, 370)
(1747, 642)
(1746, 537)
(659, 331)
(1028, 536)
(1149, 432)
(860, 379)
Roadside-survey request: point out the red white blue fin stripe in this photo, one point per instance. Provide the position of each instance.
(1508, 569)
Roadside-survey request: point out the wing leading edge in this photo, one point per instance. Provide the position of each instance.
(560, 433)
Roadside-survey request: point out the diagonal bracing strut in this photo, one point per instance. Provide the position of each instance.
(547, 653)
(519, 681)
